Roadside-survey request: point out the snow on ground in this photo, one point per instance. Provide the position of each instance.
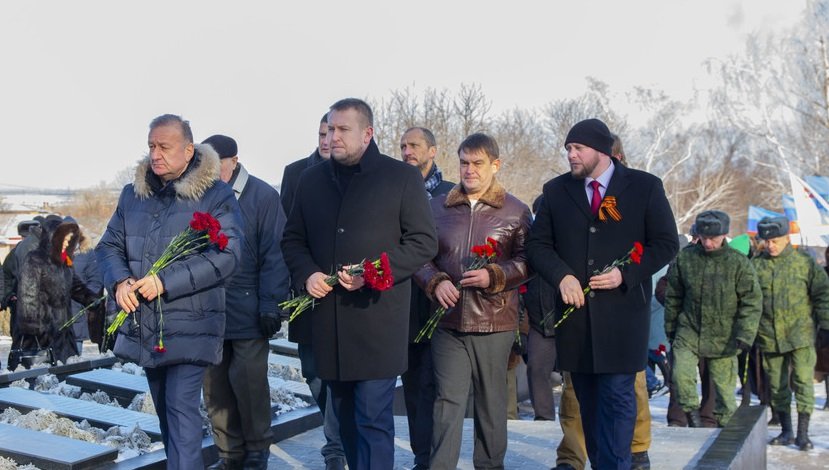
(129, 442)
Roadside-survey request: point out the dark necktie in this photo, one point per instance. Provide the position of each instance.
(597, 197)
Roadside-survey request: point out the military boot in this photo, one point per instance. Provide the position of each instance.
(826, 383)
(694, 421)
(802, 441)
(785, 437)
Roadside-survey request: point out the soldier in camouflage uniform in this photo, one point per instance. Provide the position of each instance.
(795, 298)
(712, 308)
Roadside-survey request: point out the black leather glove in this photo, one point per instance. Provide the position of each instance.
(822, 339)
(743, 347)
(269, 323)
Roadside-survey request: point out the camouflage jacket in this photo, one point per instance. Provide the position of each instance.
(795, 298)
(713, 300)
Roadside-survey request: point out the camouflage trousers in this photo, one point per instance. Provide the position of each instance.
(723, 373)
(802, 364)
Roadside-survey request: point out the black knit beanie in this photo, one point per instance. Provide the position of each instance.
(592, 133)
(223, 145)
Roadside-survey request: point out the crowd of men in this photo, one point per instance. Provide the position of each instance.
(586, 257)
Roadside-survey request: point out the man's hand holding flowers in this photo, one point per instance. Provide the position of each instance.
(316, 286)
(149, 287)
(348, 281)
(447, 294)
(571, 291)
(609, 280)
(476, 278)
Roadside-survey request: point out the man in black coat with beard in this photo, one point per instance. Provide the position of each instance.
(591, 217)
(356, 206)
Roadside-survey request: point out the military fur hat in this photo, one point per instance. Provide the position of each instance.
(712, 223)
(772, 227)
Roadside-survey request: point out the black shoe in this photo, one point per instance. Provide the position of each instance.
(802, 440)
(227, 464)
(564, 466)
(694, 420)
(256, 460)
(640, 461)
(418, 466)
(338, 463)
(785, 437)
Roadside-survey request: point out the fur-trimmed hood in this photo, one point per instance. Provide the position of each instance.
(201, 174)
(51, 238)
(494, 195)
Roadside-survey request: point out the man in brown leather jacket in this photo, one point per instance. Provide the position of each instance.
(472, 342)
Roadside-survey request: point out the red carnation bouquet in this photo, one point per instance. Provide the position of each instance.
(377, 275)
(632, 256)
(481, 256)
(204, 230)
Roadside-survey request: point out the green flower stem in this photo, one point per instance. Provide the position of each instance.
(430, 326)
(184, 244)
(75, 317)
(304, 302)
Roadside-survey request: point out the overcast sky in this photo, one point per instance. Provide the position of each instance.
(81, 80)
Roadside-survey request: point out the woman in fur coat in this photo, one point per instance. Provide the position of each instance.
(46, 289)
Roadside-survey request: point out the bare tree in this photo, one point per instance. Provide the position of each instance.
(92, 208)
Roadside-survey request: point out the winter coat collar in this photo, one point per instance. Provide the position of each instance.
(618, 183)
(200, 175)
(494, 196)
(239, 180)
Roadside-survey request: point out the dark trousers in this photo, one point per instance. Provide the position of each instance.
(419, 393)
(541, 361)
(364, 409)
(237, 396)
(676, 417)
(478, 360)
(607, 403)
(333, 447)
(175, 391)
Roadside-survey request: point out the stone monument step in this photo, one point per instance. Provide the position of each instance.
(103, 416)
(285, 361)
(300, 389)
(49, 451)
(118, 385)
(283, 346)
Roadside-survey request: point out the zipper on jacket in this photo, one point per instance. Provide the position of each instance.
(468, 249)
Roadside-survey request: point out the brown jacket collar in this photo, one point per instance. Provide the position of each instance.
(494, 195)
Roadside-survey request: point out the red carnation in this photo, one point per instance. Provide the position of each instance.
(221, 242)
(159, 349)
(638, 248)
(636, 257)
(522, 289)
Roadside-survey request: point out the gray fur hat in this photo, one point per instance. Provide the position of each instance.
(772, 227)
(712, 223)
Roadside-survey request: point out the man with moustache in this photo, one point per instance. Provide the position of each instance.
(591, 217)
(354, 207)
(712, 310)
(299, 330)
(795, 309)
(418, 148)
